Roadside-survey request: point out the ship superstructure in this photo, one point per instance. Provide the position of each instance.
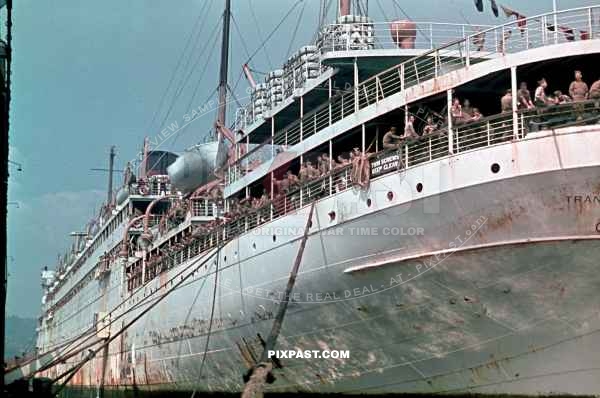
(461, 260)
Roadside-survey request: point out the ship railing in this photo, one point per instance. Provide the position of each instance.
(563, 115)
(154, 220)
(482, 133)
(159, 185)
(486, 132)
(385, 35)
(294, 133)
(204, 207)
(538, 31)
(512, 37)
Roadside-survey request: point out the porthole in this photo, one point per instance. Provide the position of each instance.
(495, 168)
(390, 195)
(369, 202)
(419, 187)
(274, 238)
(225, 259)
(331, 215)
(254, 246)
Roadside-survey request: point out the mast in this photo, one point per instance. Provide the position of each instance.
(4, 127)
(111, 163)
(344, 7)
(224, 67)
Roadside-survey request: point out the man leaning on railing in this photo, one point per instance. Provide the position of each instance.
(391, 140)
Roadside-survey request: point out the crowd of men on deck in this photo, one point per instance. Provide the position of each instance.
(461, 113)
(464, 113)
(578, 91)
(309, 171)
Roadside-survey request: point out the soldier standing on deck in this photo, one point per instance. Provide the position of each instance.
(506, 101)
(578, 90)
(303, 173)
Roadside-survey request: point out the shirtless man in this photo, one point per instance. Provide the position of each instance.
(430, 127)
(561, 98)
(476, 115)
(391, 140)
(264, 199)
(312, 171)
(282, 185)
(323, 164)
(456, 111)
(506, 101)
(524, 97)
(578, 90)
(540, 94)
(292, 180)
(303, 173)
(595, 92)
(342, 161)
(467, 109)
(409, 129)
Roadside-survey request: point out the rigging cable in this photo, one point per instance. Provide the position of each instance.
(205, 68)
(260, 36)
(295, 31)
(210, 323)
(322, 18)
(142, 302)
(237, 29)
(186, 79)
(274, 30)
(92, 353)
(197, 86)
(203, 13)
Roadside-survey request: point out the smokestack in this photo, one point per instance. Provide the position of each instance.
(344, 7)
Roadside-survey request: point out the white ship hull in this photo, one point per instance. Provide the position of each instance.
(482, 282)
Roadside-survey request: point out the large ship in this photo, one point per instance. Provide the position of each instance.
(462, 257)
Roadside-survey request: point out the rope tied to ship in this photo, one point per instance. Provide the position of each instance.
(260, 374)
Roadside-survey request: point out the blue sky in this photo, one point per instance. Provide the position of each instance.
(91, 74)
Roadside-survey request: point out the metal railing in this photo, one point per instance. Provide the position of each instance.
(512, 37)
(388, 35)
(486, 132)
(203, 207)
